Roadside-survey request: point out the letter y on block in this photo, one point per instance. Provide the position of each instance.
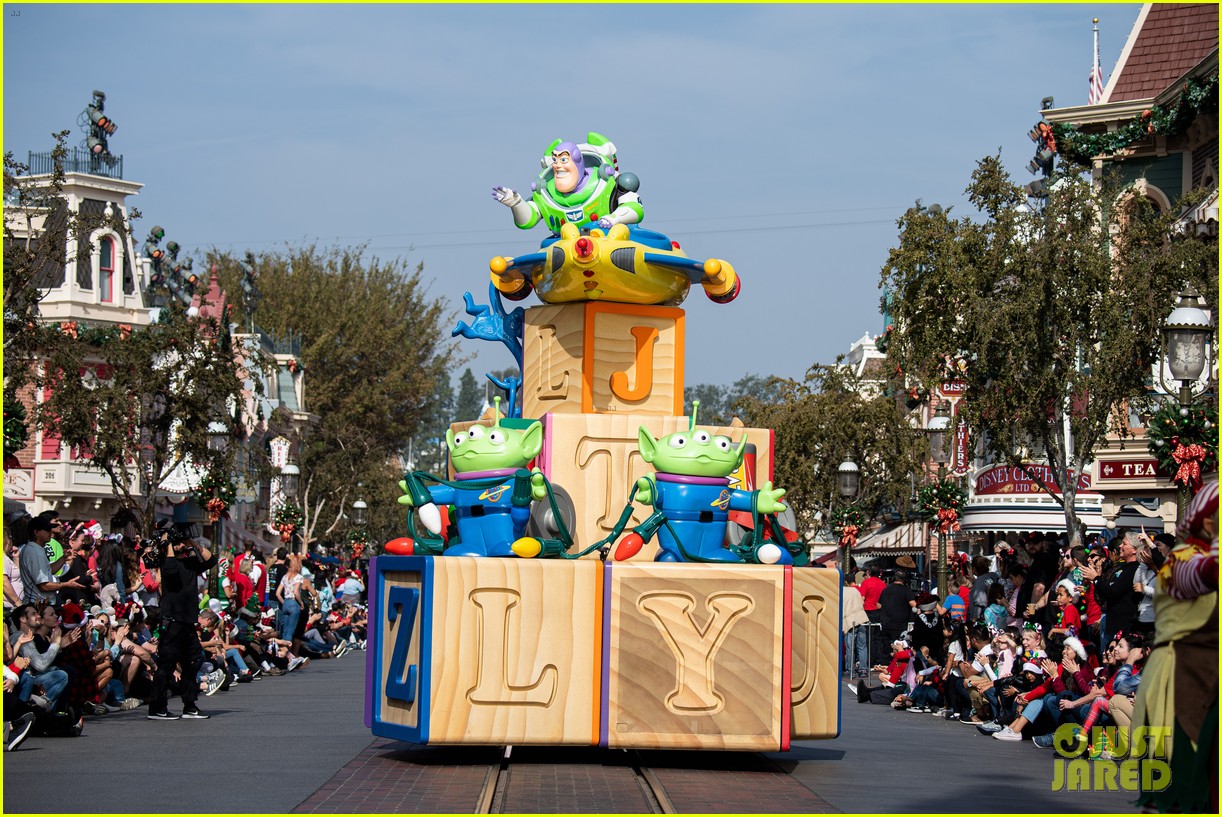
(694, 647)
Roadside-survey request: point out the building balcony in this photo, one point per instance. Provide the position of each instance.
(78, 160)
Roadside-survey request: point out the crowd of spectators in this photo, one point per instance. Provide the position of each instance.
(1042, 635)
(83, 617)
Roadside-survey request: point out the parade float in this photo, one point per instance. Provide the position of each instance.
(597, 568)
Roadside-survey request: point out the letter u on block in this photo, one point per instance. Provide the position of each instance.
(694, 647)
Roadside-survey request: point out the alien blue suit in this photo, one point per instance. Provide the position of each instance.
(488, 523)
(697, 508)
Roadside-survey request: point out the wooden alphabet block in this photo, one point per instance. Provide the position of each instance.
(815, 653)
(517, 653)
(595, 459)
(399, 650)
(485, 651)
(695, 657)
(602, 358)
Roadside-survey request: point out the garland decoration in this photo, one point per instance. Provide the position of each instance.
(94, 335)
(16, 430)
(1199, 96)
(1184, 442)
(940, 502)
(847, 524)
(287, 519)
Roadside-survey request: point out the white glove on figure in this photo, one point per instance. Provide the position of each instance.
(506, 196)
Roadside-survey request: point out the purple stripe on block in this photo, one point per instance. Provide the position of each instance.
(605, 702)
(373, 630)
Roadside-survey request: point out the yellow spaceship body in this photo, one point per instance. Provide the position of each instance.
(612, 266)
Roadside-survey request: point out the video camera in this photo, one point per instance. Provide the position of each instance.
(170, 533)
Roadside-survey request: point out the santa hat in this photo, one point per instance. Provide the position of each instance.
(1070, 588)
(1031, 666)
(926, 602)
(1076, 645)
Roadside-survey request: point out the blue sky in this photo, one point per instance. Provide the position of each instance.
(786, 139)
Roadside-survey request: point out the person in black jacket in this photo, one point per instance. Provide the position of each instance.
(179, 644)
(1115, 590)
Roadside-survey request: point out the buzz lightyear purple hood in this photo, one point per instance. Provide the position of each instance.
(578, 160)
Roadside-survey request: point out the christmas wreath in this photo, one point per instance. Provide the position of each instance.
(358, 540)
(287, 519)
(941, 503)
(215, 493)
(1184, 442)
(847, 523)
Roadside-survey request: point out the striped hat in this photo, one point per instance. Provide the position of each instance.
(1202, 506)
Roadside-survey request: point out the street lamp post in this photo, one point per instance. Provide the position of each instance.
(938, 428)
(290, 475)
(1186, 335)
(848, 476)
(218, 442)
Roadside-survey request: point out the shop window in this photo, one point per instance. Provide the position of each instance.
(106, 270)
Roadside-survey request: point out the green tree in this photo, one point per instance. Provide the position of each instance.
(819, 422)
(137, 404)
(375, 347)
(470, 401)
(1051, 316)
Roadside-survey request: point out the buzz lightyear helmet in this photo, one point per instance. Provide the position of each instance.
(596, 156)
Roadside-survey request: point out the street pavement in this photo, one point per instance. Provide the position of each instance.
(272, 745)
(892, 761)
(267, 746)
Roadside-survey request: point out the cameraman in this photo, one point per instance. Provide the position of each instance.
(180, 571)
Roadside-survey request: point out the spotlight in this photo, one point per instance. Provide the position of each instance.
(1037, 189)
(1046, 103)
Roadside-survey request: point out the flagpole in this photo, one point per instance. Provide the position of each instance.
(1096, 75)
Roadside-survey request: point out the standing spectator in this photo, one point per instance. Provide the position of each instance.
(288, 593)
(275, 573)
(985, 579)
(871, 588)
(853, 619)
(12, 573)
(37, 571)
(1117, 591)
(1145, 579)
(896, 603)
(180, 573)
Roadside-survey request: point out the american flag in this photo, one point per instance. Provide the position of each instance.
(1096, 74)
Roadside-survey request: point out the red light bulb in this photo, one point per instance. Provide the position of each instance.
(628, 547)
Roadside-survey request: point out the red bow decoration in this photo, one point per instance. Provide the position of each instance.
(125, 331)
(848, 535)
(1189, 458)
(948, 520)
(216, 506)
(69, 328)
(286, 531)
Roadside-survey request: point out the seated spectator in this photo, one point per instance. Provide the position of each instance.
(1067, 681)
(39, 655)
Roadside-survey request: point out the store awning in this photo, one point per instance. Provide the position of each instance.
(903, 538)
(1038, 514)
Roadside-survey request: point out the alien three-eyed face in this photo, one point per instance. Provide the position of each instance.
(696, 453)
(483, 448)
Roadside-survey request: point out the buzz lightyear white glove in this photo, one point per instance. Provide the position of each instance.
(523, 214)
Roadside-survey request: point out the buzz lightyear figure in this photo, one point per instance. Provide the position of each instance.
(580, 184)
